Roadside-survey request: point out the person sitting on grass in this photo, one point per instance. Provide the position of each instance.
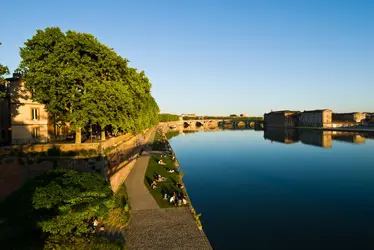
(95, 223)
(173, 199)
(180, 185)
(184, 200)
(156, 176)
(161, 162)
(154, 185)
(161, 178)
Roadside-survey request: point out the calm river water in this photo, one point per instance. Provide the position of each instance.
(281, 189)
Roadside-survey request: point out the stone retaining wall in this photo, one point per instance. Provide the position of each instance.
(65, 147)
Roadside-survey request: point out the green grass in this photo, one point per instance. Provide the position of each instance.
(157, 144)
(121, 197)
(169, 186)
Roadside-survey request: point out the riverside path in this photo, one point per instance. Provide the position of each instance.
(152, 227)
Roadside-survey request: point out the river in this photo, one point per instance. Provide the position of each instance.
(281, 189)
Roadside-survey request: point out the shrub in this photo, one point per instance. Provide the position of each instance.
(92, 152)
(118, 217)
(53, 152)
(77, 243)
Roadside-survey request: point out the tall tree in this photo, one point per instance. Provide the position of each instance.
(84, 82)
(3, 72)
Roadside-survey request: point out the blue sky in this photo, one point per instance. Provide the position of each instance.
(222, 57)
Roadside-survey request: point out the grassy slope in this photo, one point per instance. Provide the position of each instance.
(170, 185)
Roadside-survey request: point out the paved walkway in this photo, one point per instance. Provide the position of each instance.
(139, 196)
(152, 227)
(168, 228)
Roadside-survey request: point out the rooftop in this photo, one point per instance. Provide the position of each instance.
(281, 112)
(316, 110)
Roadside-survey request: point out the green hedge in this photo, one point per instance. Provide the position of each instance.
(168, 117)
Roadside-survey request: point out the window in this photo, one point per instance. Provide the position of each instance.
(35, 132)
(35, 114)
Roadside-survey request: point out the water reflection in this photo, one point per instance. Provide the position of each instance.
(318, 138)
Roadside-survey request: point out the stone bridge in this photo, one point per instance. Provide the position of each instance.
(221, 123)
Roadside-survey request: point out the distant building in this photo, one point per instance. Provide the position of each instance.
(316, 118)
(348, 117)
(284, 118)
(243, 115)
(188, 115)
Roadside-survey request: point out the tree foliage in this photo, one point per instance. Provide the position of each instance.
(67, 201)
(84, 82)
(3, 72)
(168, 117)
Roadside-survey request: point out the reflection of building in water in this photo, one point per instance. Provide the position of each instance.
(282, 135)
(348, 137)
(316, 138)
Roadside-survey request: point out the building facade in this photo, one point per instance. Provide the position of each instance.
(284, 118)
(26, 121)
(348, 117)
(316, 118)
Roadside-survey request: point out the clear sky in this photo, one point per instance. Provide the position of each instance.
(222, 57)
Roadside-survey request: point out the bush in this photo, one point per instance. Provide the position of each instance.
(77, 243)
(65, 200)
(92, 152)
(118, 217)
(53, 152)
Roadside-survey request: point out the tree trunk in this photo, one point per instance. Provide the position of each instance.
(103, 135)
(54, 127)
(78, 136)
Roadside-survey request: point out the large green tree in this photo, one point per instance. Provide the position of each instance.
(84, 82)
(3, 72)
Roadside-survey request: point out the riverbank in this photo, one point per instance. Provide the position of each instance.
(154, 227)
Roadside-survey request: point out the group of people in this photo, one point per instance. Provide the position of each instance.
(157, 178)
(176, 199)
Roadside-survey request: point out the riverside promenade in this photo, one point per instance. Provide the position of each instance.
(152, 227)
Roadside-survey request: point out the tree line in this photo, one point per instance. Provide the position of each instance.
(168, 117)
(84, 82)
